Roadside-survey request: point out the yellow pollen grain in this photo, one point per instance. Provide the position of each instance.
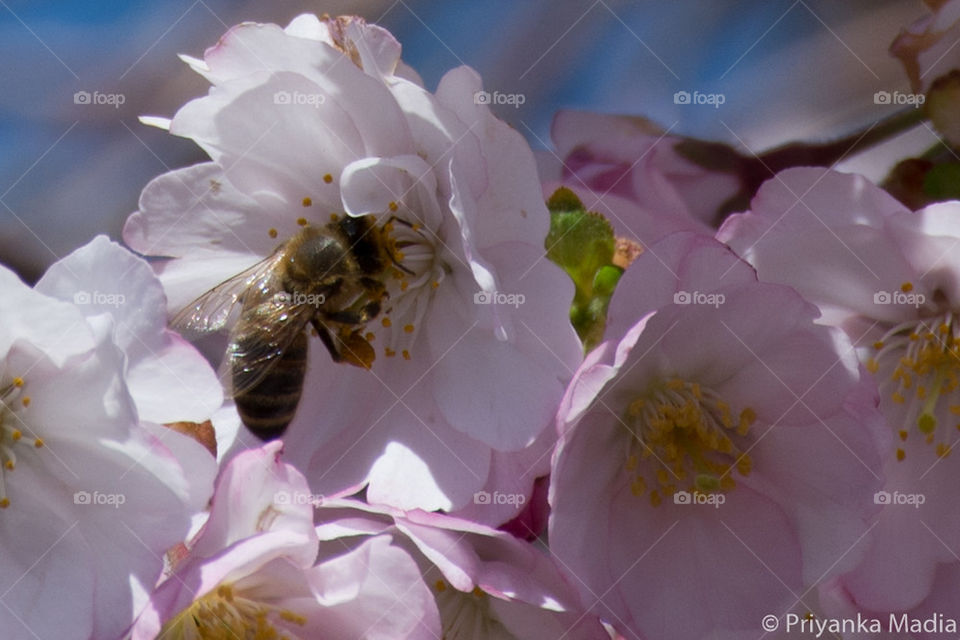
(744, 465)
(944, 328)
(404, 284)
(307, 202)
(943, 450)
(302, 222)
(369, 336)
(38, 443)
(386, 322)
(434, 284)
(408, 328)
(878, 344)
(389, 352)
(906, 287)
(4, 503)
(18, 382)
(334, 217)
(901, 454)
(903, 434)
(328, 178)
(914, 336)
(25, 401)
(9, 465)
(272, 233)
(16, 435)
(440, 586)
(897, 397)
(872, 365)
(393, 206)
(416, 226)
(405, 354)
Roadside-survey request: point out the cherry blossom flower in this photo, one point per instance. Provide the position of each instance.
(253, 571)
(473, 345)
(890, 278)
(718, 452)
(631, 171)
(927, 47)
(486, 583)
(92, 489)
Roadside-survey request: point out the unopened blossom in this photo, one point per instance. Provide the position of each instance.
(890, 278)
(486, 584)
(253, 571)
(718, 451)
(634, 173)
(927, 48)
(93, 490)
(473, 344)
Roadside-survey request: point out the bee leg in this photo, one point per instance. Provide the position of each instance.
(348, 346)
(326, 339)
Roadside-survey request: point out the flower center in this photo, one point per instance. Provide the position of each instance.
(689, 438)
(13, 402)
(415, 274)
(467, 615)
(917, 365)
(225, 615)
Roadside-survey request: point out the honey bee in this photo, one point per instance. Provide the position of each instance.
(329, 277)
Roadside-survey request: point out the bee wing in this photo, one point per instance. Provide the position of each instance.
(261, 336)
(210, 311)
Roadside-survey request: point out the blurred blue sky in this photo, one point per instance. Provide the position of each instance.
(788, 69)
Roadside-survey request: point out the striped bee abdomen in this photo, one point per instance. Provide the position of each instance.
(269, 406)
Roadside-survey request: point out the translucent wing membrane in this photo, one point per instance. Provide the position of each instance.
(211, 311)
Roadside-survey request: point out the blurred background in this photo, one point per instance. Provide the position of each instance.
(788, 69)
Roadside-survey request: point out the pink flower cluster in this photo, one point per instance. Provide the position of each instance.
(759, 444)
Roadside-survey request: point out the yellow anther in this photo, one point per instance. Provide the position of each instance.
(434, 284)
(632, 462)
(906, 287)
(18, 382)
(38, 443)
(405, 354)
(369, 336)
(901, 454)
(386, 322)
(334, 217)
(4, 503)
(393, 206)
(655, 498)
(903, 434)
(302, 222)
(272, 233)
(389, 352)
(897, 397)
(306, 202)
(878, 345)
(327, 178)
(26, 401)
(404, 284)
(408, 328)
(872, 365)
(15, 435)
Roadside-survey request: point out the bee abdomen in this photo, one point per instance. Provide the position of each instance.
(268, 407)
